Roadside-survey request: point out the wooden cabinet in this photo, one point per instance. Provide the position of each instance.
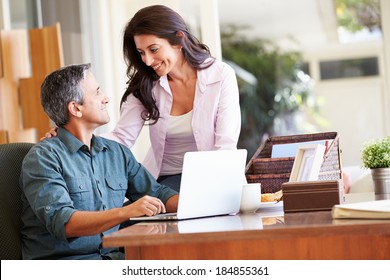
(27, 57)
(15, 64)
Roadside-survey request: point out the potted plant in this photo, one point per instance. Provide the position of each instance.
(375, 155)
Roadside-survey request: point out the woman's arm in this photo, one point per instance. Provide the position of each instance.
(130, 123)
(228, 122)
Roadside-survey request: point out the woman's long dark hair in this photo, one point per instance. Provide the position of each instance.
(164, 23)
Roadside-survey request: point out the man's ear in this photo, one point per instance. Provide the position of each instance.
(74, 109)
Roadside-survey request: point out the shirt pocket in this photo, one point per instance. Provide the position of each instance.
(117, 188)
(81, 193)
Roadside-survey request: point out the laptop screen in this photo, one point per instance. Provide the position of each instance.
(211, 184)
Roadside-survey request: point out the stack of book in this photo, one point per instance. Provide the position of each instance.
(377, 209)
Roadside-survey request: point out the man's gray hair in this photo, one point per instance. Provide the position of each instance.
(61, 87)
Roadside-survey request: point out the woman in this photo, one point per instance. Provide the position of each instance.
(189, 99)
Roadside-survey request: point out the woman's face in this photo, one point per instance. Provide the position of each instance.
(158, 53)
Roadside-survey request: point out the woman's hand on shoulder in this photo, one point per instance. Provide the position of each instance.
(50, 134)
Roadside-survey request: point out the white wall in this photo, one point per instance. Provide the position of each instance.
(355, 107)
(385, 10)
(5, 20)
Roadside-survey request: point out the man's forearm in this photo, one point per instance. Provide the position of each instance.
(87, 223)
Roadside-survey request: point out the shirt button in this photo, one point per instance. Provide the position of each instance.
(81, 187)
(47, 208)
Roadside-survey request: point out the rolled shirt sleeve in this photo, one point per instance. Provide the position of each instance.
(60, 176)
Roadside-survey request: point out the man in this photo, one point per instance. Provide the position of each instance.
(74, 185)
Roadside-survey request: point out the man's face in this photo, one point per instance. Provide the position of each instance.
(94, 110)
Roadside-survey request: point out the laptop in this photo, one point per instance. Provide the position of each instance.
(211, 185)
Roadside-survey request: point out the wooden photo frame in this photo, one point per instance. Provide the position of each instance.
(307, 163)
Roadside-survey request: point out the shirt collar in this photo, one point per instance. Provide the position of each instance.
(73, 144)
(207, 76)
(163, 81)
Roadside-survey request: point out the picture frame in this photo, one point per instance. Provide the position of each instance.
(307, 163)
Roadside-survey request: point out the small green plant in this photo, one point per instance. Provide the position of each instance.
(376, 153)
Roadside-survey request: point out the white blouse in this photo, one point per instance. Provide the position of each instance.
(180, 139)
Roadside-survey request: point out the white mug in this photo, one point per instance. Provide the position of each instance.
(250, 197)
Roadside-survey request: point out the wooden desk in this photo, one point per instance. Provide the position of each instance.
(262, 235)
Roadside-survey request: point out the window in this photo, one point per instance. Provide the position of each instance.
(348, 68)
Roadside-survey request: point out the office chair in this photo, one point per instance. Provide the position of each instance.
(11, 158)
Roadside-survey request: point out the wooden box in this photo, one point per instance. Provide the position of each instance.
(273, 172)
(312, 195)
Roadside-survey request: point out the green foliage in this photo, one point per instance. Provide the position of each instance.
(356, 15)
(376, 153)
(280, 88)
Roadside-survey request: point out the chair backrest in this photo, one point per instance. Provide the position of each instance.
(11, 158)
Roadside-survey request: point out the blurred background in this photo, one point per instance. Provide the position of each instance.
(303, 66)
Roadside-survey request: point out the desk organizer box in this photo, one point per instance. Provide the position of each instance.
(273, 172)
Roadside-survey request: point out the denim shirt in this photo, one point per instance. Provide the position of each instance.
(60, 176)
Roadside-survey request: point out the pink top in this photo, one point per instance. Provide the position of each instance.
(216, 120)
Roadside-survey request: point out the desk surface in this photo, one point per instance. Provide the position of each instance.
(266, 234)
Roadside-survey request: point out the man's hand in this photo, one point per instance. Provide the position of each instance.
(146, 206)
